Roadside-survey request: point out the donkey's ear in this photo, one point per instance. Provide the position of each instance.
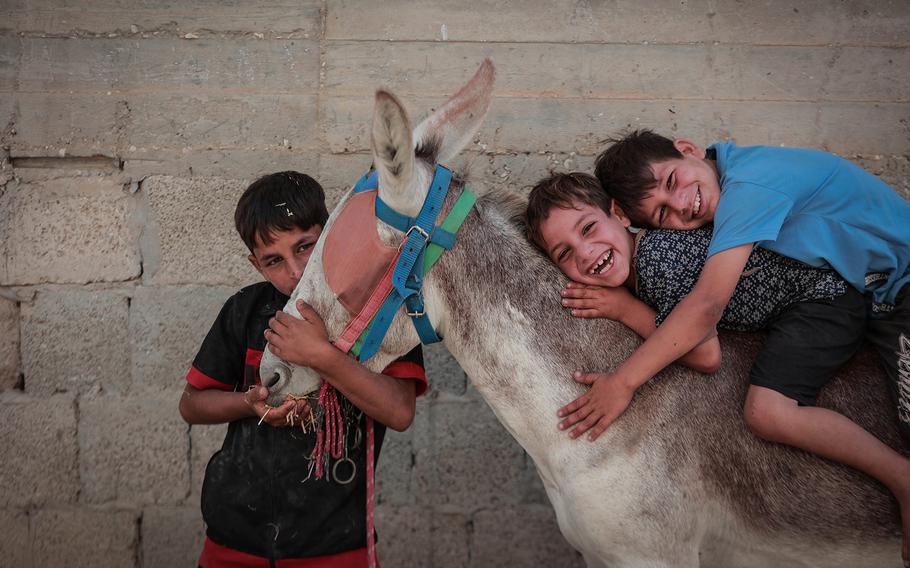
(452, 126)
(393, 151)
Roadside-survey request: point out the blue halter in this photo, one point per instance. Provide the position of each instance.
(407, 277)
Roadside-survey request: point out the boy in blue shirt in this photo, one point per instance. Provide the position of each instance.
(803, 204)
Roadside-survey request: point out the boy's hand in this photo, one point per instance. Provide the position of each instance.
(276, 416)
(586, 301)
(597, 408)
(301, 341)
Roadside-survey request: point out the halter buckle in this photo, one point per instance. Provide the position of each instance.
(424, 234)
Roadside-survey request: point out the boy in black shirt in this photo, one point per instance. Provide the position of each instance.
(260, 503)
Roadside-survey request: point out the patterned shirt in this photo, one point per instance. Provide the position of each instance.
(668, 264)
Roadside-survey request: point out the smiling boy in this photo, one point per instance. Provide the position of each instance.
(803, 204)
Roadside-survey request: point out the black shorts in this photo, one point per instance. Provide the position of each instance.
(807, 343)
(891, 337)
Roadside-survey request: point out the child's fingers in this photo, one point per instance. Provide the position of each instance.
(577, 303)
(575, 293)
(276, 325)
(584, 378)
(589, 313)
(599, 428)
(278, 417)
(305, 309)
(576, 417)
(585, 424)
(574, 405)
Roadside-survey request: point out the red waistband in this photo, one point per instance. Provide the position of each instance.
(216, 556)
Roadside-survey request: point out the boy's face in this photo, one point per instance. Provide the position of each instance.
(283, 261)
(588, 245)
(686, 193)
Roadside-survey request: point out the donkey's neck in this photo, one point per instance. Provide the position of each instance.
(506, 328)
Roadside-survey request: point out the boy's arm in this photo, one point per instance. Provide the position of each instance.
(213, 406)
(688, 324)
(619, 304)
(305, 342)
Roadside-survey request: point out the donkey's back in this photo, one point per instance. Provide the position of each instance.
(693, 477)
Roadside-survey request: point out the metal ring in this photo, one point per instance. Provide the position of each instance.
(335, 471)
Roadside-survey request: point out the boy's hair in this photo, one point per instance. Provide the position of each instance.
(624, 169)
(564, 191)
(279, 202)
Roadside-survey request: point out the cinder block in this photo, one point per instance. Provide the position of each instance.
(863, 128)
(817, 22)
(450, 535)
(208, 64)
(520, 536)
(230, 163)
(471, 461)
(203, 18)
(72, 230)
(205, 122)
(443, 372)
(404, 536)
(171, 536)
(133, 450)
(339, 172)
(395, 474)
(621, 71)
(76, 341)
(205, 440)
(77, 538)
(14, 546)
(190, 236)
(517, 171)
(10, 53)
(894, 170)
(654, 21)
(48, 124)
(167, 326)
(40, 452)
(517, 125)
(9, 344)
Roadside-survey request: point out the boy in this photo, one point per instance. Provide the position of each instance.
(809, 206)
(585, 233)
(260, 503)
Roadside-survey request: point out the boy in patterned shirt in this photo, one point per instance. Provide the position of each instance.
(809, 206)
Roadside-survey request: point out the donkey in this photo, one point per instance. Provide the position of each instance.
(677, 480)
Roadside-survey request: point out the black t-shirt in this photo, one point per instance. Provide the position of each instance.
(258, 496)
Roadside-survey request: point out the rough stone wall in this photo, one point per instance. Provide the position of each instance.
(128, 129)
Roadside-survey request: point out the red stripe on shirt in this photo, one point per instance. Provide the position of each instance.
(253, 357)
(201, 381)
(408, 370)
(216, 556)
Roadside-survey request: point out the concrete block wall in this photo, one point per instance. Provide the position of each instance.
(128, 130)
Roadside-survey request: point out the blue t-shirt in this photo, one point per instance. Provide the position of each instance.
(816, 208)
